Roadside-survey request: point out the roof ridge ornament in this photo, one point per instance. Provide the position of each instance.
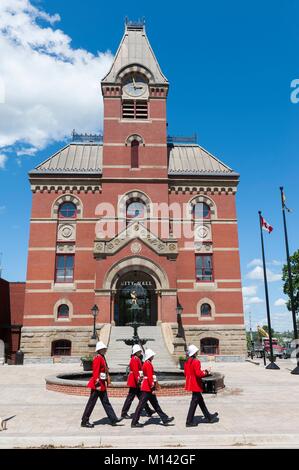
(86, 137)
(135, 25)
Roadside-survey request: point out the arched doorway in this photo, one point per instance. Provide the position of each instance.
(141, 285)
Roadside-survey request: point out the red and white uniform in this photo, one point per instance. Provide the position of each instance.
(147, 384)
(135, 368)
(194, 374)
(99, 366)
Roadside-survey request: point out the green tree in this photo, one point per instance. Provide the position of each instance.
(294, 261)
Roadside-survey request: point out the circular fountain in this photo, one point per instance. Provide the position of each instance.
(172, 382)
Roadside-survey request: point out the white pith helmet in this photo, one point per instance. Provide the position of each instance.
(192, 349)
(136, 348)
(148, 354)
(100, 345)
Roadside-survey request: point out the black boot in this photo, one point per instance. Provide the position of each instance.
(126, 416)
(136, 425)
(168, 420)
(118, 420)
(191, 425)
(87, 424)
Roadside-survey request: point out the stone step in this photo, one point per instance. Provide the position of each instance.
(118, 354)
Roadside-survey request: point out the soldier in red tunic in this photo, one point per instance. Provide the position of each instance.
(148, 387)
(98, 385)
(134, 382)
(194, 374)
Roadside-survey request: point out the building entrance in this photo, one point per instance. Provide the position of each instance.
(137, 287)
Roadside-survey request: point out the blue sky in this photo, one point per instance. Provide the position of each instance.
(230, 66)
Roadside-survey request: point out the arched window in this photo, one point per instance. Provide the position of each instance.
(134, 154)
(61, 347)
(67, 210)
(135, 210)
(201, 210)
(63, 311)
(205, 310)
(209, 346)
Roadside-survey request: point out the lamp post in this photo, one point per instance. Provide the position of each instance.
(94, 312)
(179, 311)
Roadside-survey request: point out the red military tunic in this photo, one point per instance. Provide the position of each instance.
(135, 368)
(98, 366)
(194, 374)
(148, 377)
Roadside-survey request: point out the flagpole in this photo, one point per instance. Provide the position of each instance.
(291, 290)
(272, 364)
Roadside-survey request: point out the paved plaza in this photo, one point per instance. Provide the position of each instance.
(258, 408)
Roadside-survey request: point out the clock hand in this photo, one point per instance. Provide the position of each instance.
(134, 83)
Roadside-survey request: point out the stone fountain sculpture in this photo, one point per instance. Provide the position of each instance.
(135, 300)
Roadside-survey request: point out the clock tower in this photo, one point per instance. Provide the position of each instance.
(134, 93)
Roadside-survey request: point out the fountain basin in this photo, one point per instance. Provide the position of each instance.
(172, 383)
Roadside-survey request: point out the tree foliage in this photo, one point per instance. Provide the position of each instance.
(294, 261)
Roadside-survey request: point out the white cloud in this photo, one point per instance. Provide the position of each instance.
(3, 159)
(257, 274)
(249, 291)
(253, 300)
(255, 262)
(50, 87)
(280, 302)
(2, 209)
(275, 262)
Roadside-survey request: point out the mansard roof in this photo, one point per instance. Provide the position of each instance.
(72, 159)
(87, 158)
(135, 51)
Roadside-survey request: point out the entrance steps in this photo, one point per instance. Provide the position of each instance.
(118, 354)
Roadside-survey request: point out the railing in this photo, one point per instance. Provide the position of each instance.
(86, 137)
(192, 139)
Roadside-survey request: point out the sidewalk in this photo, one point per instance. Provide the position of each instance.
(258, 408)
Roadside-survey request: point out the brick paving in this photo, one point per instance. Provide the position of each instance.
(258, 408)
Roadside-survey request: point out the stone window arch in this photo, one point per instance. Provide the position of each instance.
(131, 196)
(67, 198)
(207, 201)
(61, 347)
(209, 345)
(58, 309)
(133, 137)
(201, 309)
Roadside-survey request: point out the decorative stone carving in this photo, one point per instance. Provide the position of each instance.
(202, 232)
(136, 247)
(66, 232)
(203, 247)
(104, 247)
(66, 248)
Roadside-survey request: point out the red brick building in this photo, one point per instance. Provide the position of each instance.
(12, 295)
(137, 208)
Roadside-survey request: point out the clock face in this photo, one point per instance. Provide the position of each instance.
(135, 85)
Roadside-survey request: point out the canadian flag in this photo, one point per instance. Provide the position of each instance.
(265, 225)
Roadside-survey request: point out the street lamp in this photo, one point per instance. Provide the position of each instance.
(94, 312)
(179, 311)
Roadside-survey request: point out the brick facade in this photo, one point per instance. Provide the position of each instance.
(153, 248)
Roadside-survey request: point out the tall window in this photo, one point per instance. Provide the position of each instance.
(64, 268)
(204, 268)
(134, 154)
(205, 310)
(67, 210)
(201, 210)
(63, 311)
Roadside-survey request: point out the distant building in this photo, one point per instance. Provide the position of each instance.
(107, 215)
(12, 295)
